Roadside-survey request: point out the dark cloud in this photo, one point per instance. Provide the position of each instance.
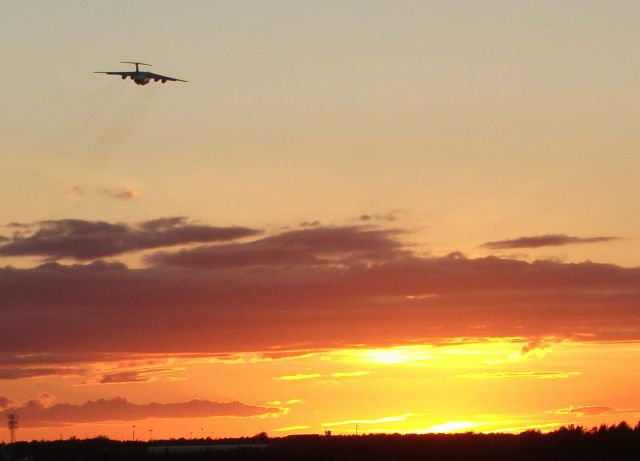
(310, 246)
(544, 240)
(8, 360)
(19, 225)
(135, 376)
(535, 344)
(20, 373)
(85, 240)
(5, 402)
(104, 310)
(3, 238)
(121, 192)
(391, 216)
(125, 377)
(310, 224)
(34, 414)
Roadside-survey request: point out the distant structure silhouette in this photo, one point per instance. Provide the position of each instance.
(12, 423)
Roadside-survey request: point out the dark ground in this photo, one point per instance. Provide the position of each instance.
(620, 442)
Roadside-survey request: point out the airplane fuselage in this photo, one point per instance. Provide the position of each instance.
(142, 78)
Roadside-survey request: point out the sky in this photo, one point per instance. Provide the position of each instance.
(355, 216)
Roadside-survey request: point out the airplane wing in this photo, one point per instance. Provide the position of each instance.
(124, 74)
(157, 77)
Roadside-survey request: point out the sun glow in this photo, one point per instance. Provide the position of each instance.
(403, 355)
(452, 426)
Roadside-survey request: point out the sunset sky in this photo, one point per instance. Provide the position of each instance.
(415, 216)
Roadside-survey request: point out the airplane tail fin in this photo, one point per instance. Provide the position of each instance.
(136, 63)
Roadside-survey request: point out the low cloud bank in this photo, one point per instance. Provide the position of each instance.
(35, 414)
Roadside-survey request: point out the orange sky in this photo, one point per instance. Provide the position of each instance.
(416, 218)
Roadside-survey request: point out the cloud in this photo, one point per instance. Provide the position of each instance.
(298, 377)
(5, 402)
(310, 224)
(76, 190)
(309, 246)
(143, 375)
(348, 374)
(287, 355)
(120, 192)
(306, 290)
(389, 217)
(544, 240)
(86, 240)
(521, 374)
(537, 345)
(291, 428)
(593, 410)
(386, 419)
(21, 373)
(35, 414)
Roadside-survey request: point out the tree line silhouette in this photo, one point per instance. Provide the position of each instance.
(617, 442)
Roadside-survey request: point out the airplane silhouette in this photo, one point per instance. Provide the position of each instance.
(141, 77)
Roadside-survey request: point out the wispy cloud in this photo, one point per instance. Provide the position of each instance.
(76, 190)
(386, 419)
(348, 374)
(298, 377)
(22, 373)
(292, 428)
(521, 374)
(121, 192)
(141, 375)
(594, 410)
(544, 240)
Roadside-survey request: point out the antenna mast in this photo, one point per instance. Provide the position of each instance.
(12, 423)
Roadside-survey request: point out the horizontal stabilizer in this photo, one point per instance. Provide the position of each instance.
(137, 63)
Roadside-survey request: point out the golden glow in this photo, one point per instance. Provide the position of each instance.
(404, 389)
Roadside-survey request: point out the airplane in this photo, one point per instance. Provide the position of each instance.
(141, 77)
